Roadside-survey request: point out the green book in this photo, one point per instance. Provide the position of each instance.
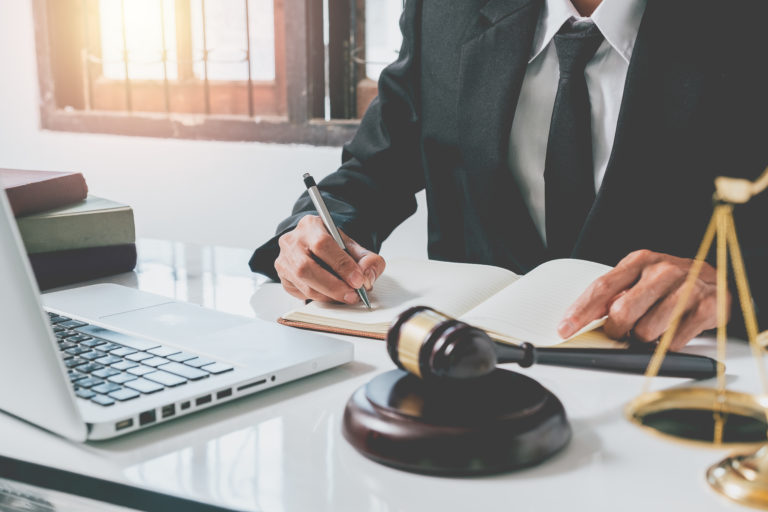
(94, 222)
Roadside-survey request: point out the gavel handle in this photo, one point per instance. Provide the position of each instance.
(674, 364)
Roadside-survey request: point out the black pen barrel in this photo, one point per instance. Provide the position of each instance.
(674, 364)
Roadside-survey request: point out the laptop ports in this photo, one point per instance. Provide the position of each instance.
(122, 425)
(224, 393)
(168, 411)
(147, 417)
(203, 400)
(252, 384)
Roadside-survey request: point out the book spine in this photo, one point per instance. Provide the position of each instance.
(78, 231)
(47, 194)
(60, 268)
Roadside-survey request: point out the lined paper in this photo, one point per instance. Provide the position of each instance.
(510, 307)
(451, 288)
(532, 308)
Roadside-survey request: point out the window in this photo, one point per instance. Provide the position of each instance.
(268, 70)
(382, 42)
(183, 57)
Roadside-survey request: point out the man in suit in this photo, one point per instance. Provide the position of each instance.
(590, 129)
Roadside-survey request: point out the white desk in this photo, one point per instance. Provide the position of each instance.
(282, 450)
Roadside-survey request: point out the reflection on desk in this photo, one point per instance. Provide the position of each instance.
(282, 450)
(47, 489)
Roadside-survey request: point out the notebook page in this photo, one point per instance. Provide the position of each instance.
(531, 309)
(451, 288)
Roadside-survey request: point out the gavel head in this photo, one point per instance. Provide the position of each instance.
(431, 345)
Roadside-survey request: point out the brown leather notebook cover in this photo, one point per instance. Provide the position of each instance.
(334, 330)
(37, 191)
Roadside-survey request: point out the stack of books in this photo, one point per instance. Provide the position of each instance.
(69, 236)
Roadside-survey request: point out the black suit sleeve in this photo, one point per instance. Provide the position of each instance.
(374, 189)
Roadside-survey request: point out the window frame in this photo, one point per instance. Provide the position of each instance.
(304, 68)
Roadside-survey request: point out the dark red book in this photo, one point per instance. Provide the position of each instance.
(60, 268)
(37, 191)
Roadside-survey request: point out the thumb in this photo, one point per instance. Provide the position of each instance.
(371, 264)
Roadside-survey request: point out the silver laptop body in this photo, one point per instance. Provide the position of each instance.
(235, 356)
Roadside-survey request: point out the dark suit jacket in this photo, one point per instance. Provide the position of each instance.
(695, 106)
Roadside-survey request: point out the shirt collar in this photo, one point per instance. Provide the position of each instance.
(618, 21)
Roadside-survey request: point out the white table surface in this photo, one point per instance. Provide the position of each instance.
(282, 450)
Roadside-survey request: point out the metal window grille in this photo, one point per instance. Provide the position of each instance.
(93, 56)
(309, 95)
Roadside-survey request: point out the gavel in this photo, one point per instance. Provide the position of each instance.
(431, 345)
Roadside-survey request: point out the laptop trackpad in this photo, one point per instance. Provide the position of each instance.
(175, 321)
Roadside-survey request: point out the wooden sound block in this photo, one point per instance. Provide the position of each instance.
(496, 423)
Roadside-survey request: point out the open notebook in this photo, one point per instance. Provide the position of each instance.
(511, 308)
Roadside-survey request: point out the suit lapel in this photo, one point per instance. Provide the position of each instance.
(661, 96)
(493, 63)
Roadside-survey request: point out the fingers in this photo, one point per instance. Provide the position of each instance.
(690, 326)
(656, 322)
(312, 265)
(308, 293)
(304, 278)
(597, 298)
(698, 315)
(651, 326)
(640, 296)
(702, 316)
(656, 282)
(309, 274)
(371, 264)
(325, 248)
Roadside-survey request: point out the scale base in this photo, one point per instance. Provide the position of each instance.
(742, 478)
(496, 423)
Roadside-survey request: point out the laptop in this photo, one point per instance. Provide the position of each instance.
(100, 361)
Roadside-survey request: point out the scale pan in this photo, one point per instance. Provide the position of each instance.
(696, 415)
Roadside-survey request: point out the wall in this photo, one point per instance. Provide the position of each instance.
(206, 192)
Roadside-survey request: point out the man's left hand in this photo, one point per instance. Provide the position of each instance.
(639, 295)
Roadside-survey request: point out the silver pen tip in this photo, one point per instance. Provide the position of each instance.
(364, 297)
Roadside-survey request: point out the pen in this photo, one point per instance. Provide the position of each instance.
(322, 210)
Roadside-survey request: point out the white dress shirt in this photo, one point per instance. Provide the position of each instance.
(618, 21)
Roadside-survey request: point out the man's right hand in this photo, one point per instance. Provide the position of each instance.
(303, 277)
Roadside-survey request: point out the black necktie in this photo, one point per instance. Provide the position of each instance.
(569, 170)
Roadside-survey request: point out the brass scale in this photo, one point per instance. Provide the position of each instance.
(741, 477)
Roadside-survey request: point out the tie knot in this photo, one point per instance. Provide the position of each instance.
(576, 43)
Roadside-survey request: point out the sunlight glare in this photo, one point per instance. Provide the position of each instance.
(144, 37)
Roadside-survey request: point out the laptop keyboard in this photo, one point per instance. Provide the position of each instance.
(106, 366)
